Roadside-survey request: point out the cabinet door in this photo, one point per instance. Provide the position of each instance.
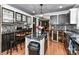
(7, 15)
(29, 20)
(53, 19)
(73, 16)
(63, 19)
(18, 17)
(78, 20)
(23, 18)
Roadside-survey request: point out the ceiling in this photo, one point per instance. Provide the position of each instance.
(34, 9)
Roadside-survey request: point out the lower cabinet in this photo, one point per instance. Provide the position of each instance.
(70, 45)
(66, 44)
(6, 38)
(4, 42)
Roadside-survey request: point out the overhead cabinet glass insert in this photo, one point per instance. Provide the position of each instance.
(18, 17)
(29, 20)
(23, 18)
(7, 15)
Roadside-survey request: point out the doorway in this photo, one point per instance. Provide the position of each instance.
(34, 25)
(45, 24)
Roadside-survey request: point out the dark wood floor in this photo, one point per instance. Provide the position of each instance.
(20, 51)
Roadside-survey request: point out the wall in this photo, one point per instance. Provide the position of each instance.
(0, 27)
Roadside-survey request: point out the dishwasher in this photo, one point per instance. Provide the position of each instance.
(34, 48)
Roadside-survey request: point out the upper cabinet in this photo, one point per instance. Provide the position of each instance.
(29, 20)
(53, 19)
(12, 16)
(60, 19)
(8, 15)
(18, 17)
(63, 19)
(78, 20)
(73, 16)
(23, 18)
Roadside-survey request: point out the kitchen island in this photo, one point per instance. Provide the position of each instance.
(41, 39)
(72, 41)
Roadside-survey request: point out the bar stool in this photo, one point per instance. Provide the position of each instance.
(20, 37)
(11, 43)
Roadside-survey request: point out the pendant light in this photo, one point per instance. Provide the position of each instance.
(41, 8)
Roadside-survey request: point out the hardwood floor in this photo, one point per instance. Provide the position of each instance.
(55, 48)
(14, 52)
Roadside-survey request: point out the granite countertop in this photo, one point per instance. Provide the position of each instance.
(73, 36)
(74, 41)
(15, 31)
(40, 37)
(74, 31)
(62, 24)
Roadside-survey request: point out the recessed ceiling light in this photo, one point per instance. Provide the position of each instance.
(60, 6)
(33, 11)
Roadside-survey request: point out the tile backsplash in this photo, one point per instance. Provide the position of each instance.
(11, 28)
(7, 29)
(62, 27)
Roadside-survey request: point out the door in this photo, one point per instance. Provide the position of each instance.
(45, 24)
(34, 25)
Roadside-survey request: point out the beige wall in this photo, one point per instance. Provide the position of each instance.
(0, 27)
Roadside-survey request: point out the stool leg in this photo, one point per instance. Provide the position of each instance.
(11, 49)
(16, 47)
(21, 45)
(7, 51)
(8, 47)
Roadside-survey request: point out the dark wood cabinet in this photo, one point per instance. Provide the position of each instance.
(6, 38)
(66, 44)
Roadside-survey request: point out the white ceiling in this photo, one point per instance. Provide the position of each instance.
(47, 8)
